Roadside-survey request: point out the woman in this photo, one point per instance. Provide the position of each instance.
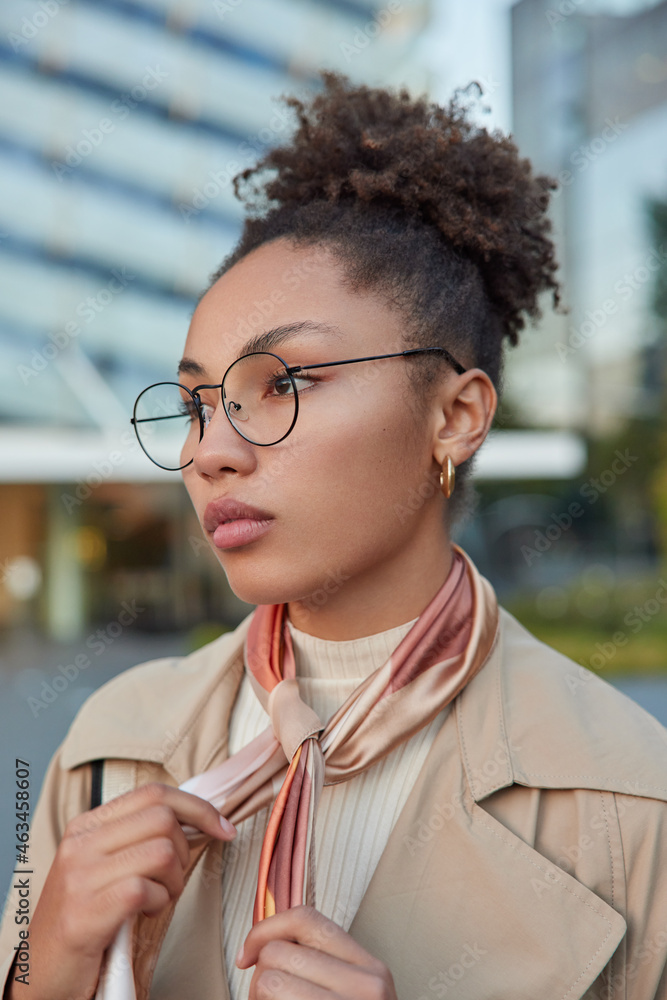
(490, 815)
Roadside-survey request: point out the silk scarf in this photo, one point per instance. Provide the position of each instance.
(447, 645)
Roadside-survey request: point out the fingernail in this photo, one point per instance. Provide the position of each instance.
(239, 957)
(227, 826)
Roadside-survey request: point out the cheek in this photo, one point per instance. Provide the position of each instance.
(350, 477)
(194, 486)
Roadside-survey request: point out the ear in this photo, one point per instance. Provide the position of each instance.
(465, 408)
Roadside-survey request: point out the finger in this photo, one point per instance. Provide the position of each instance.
(189, 809)
(91, 927)
(316, 967)
(155, 859)
(122, 833)
(156, 899)
(308, 926)
(131, 896)
(272, 984)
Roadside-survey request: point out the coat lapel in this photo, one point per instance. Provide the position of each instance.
(459, 904)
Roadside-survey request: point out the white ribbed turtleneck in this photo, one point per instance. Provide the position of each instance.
(354, 819)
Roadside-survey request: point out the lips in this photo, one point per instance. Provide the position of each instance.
(229, 509)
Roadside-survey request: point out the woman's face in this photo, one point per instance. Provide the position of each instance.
(338, 486)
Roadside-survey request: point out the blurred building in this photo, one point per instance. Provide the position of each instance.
(121, 126)
(590, 109)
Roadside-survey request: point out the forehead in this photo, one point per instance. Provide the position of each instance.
(279, 284)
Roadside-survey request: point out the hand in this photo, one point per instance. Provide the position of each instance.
(302, 955)
(125, 857)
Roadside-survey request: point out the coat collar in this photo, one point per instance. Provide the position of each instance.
(152, 712)
(530, 716)
(534, 717)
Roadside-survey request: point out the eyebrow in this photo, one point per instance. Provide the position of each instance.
(266, 340)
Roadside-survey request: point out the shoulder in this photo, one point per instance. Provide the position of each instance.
(153, 705)
(562, 725)
(577, 770)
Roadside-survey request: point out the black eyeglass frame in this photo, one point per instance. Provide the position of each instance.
(290, 370)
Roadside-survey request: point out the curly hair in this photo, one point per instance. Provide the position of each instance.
(442, 218)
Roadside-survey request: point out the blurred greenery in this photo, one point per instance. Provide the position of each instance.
(205, 632)
(615, 630)
(656, 212)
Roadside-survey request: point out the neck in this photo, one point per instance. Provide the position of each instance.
(393, 592)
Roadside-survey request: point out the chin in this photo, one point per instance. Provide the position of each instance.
(251, 584)
(257, 585)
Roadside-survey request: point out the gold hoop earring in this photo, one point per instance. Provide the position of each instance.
(447, 478)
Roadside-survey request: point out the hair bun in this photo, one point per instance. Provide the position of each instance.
(431, 163)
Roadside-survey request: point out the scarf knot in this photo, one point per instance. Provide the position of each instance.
(292, 720)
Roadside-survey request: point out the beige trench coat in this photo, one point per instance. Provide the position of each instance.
(528, 863)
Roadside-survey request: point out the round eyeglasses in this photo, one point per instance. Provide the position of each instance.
(260, 397)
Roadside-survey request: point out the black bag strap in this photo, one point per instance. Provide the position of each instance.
(97, 768)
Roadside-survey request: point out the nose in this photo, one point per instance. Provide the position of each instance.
(222, 449)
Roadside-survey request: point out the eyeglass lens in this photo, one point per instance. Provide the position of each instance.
(259, 397)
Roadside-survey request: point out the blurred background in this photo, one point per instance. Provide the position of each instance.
(122, 123)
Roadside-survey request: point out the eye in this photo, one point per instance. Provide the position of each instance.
(279, 382)
(187, 408)
(282, 384)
